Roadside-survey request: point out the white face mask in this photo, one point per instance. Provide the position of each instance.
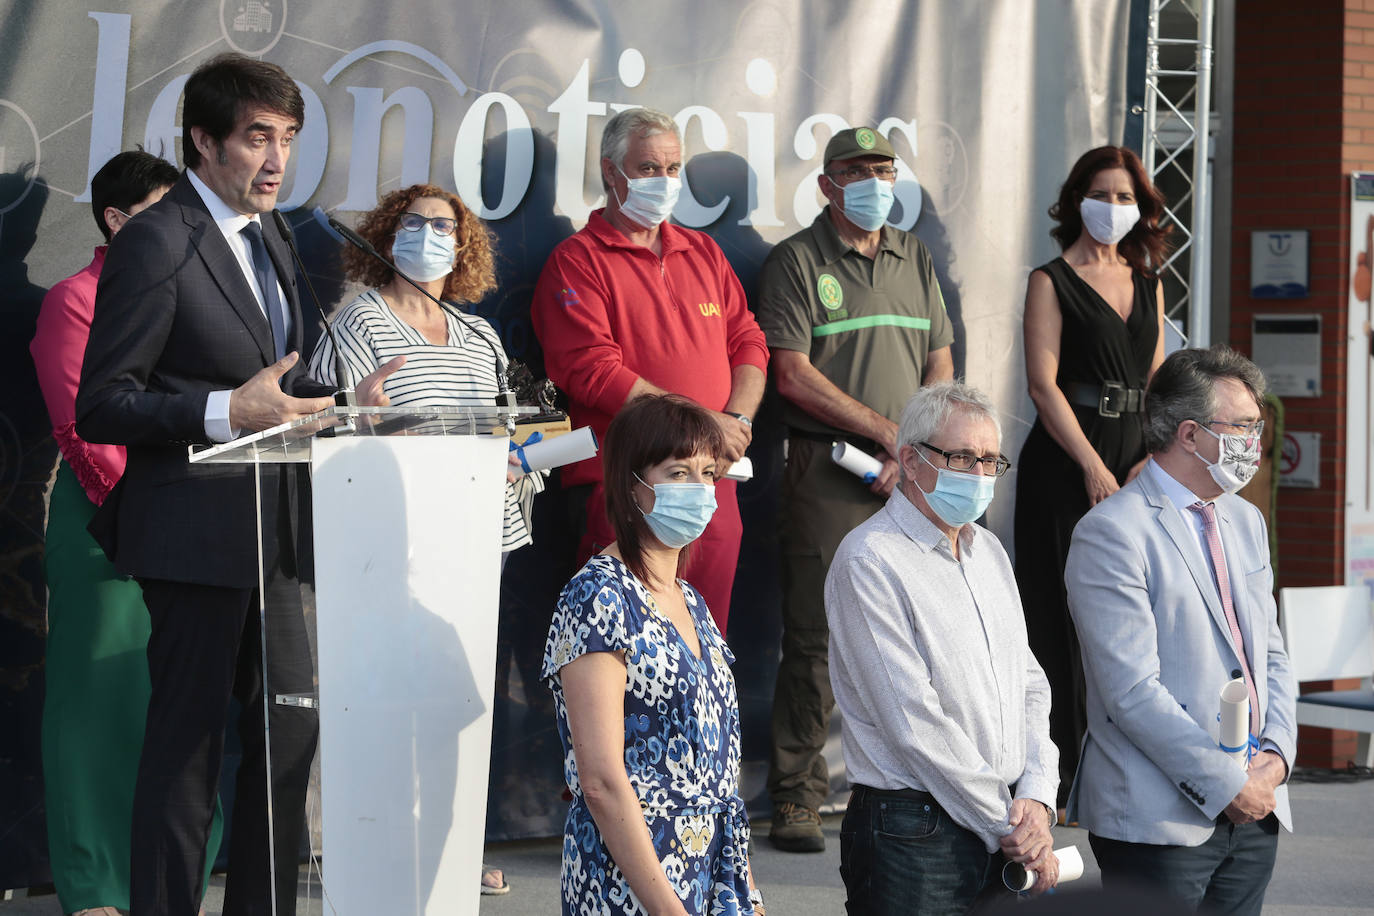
(649, 201)
(1108, 223)
(1237, 461)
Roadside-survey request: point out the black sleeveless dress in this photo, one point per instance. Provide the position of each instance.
(1095, 346)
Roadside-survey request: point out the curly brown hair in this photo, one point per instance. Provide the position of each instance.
(472, 277)
(1146, 246)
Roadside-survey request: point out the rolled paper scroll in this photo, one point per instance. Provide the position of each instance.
(855, 461)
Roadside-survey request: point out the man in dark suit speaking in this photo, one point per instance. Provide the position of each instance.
(196, 339)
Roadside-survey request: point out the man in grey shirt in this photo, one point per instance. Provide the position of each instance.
(946, 712)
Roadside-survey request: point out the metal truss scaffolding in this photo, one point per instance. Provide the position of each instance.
(1178, 90)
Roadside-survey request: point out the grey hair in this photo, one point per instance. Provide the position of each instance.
(932, 405)
(615, 139)
(1184, 388)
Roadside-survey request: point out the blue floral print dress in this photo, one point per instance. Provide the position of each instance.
(682, 746)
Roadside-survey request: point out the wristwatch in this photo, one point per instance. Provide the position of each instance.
(755, 897)
(743, 418)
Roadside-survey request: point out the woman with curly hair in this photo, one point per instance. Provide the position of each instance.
(1094, 334)
(434, 239)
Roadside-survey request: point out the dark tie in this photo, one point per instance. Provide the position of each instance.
(267, 283)
(1209, 523)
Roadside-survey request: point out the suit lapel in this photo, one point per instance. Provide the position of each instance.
(1181, 532)
(223, 267)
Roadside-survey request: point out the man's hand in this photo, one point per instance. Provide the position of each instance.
(887, 477)
(1046, 870)
(259, 403)
(737, 435)
(369, 390)
(1256, 797)
(1030, 837)
(888, 439)
(1031, 844)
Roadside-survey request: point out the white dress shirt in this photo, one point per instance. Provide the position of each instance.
(231, 225)
(932, 672)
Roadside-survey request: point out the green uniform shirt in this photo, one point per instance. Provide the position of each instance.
(866, 324)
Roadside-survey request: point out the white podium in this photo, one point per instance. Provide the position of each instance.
(408, 507)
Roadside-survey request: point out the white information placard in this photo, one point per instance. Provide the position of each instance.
(1278, 263)
(1300, 460)
(1289, 350)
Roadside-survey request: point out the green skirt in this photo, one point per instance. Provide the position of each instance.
(94, 709)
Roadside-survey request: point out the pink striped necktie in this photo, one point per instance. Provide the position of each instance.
(1209, 520)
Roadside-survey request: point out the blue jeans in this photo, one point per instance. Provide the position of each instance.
(1227, 874)
(900, 853)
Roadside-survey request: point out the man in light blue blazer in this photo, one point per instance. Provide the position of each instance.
(1171, 592)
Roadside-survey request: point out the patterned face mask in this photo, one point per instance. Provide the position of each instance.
(1237, 460)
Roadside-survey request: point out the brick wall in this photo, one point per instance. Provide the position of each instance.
(1304, 119)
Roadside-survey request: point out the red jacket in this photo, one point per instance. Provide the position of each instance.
(608, 311)
(58, 347)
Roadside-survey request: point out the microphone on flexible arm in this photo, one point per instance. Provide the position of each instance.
(505, 397)
(345, 396)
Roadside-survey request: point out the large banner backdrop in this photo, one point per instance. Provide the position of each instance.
(987, 105)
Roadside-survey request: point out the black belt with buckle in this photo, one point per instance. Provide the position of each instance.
(1111, 399)
(916, 795)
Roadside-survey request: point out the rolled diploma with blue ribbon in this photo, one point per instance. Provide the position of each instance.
(855, 461)
(1235, 721)
(555, 451)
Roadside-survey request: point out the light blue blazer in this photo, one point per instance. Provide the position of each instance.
(1156, 651)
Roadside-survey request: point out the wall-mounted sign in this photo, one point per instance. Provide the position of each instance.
(1300, 460)
(1289, 350)
(1278, 263)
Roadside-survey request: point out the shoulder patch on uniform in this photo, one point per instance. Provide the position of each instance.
(829, 291)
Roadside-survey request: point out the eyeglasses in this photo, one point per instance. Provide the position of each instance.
(861, 172)
(1248, 430)
(996, 465)
(414, 222)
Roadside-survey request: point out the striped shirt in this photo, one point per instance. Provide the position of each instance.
(453, 374)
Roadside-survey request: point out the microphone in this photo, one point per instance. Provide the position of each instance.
(505, 397)
(345, 396)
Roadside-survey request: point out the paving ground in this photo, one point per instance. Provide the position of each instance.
(1325, 869)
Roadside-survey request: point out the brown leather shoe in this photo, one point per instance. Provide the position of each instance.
(796, 828)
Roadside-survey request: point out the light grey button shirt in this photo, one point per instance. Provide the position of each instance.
(931, 670)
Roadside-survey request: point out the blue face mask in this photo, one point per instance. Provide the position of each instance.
(867, 203)
(423, 255)
(958, 498)
(681, 512)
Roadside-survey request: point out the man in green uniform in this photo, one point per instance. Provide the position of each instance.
(856, 323)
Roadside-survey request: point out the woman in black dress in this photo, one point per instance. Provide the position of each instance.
(1094, 334)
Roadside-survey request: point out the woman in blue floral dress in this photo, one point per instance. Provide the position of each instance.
(644, 695)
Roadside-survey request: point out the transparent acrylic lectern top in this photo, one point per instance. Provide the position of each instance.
(290, 442)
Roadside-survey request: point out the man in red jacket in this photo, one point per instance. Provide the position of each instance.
(633, 305)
